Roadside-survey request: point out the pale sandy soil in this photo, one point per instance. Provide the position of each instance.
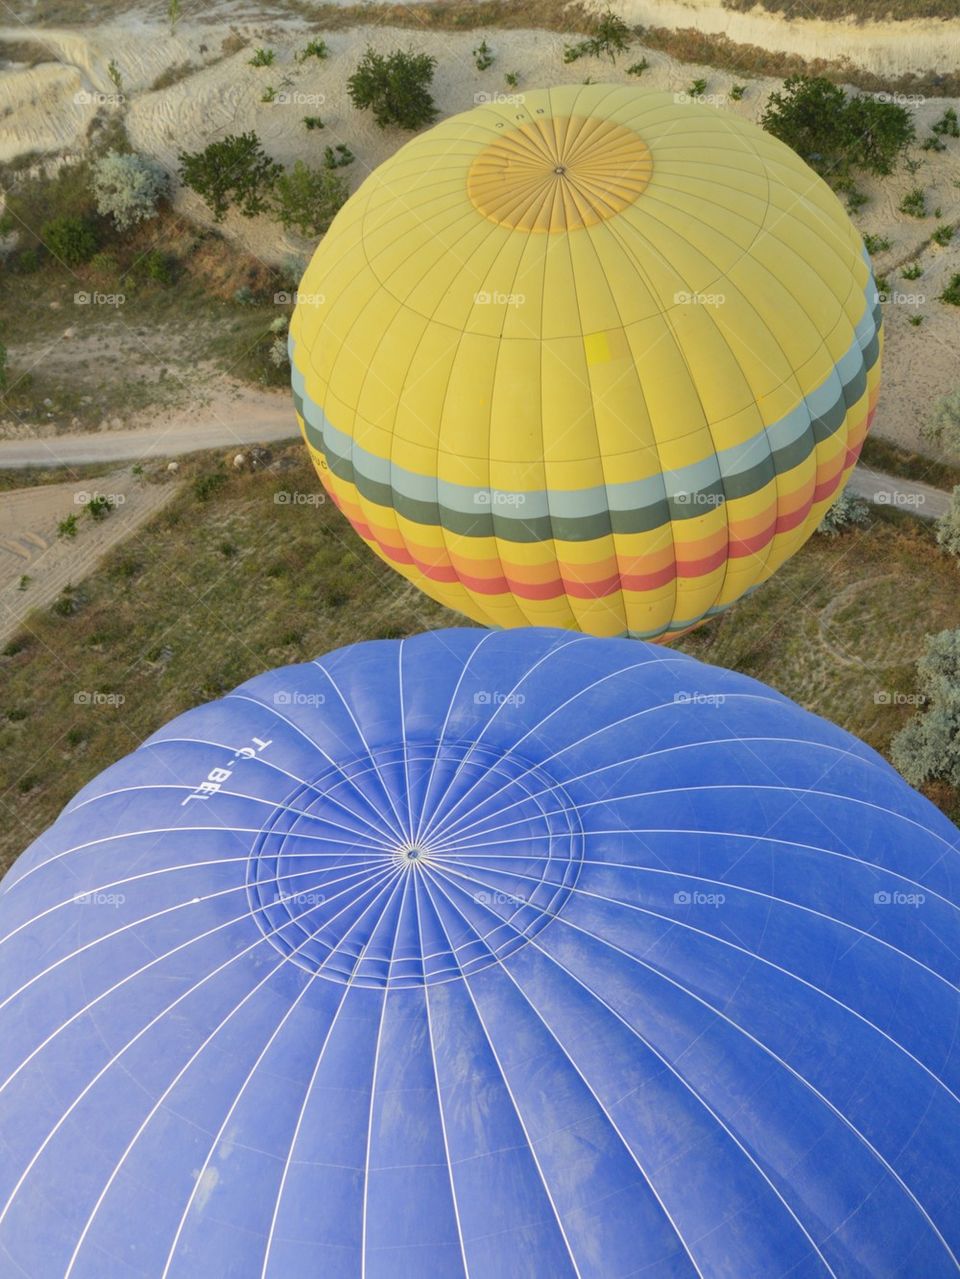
(223, 94)
(890, 48)
(36, 564)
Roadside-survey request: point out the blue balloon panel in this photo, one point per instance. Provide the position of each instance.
(485, 955)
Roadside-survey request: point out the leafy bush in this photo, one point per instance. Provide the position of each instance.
(307, 200)
(928, 747)
(847, 512)
(312, 122)
(234, 170)
(737, 92)
(128, 188)
(943, 426)
(948, 525)
(951, 293)
(263, 58)
(315, 49)
(943, 234)
(697, 89)
(338, 157)
(912, 272)
(914, 203)
(836, 134)
(73, 240)
(933, 143)
(948, 124)
(875, 243)
(98, 507)
(638, 68)
(395, 87)
(611, 36)
(483, 56)
(67, 527)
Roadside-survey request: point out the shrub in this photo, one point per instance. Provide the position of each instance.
(847, 512)
(128, 188)
(875, 243)
(737, 92)
(697, 89)
(207, 484)
(912, 272)
(98, 507)
(315, 49)
(836, 134)
(233, 170)
(943, 234)
(312, 122)
(915, 320)
(929, 746)
(307, 200)
(951, 293)
(611, 36)
(948, 525)
(933, 143)
(395, 87)
(338, 157)
(943, 426)
(263, 58)
(914, 203)
(73, 240)
(948, 124)
(67, 527)
(512, 78)
(483, 56)
(156, 266)
(638, 68)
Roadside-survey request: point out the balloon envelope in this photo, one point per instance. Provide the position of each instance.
(489, 954)
(588, 357)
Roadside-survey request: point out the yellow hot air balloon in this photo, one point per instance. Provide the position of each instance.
(592, 358)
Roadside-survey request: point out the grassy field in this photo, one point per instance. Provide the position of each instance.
(229, 580)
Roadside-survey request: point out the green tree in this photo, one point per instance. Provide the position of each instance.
(395, 87)
(848, 511)
(71, 239)
(943, 426)
(128, 188)
(948, 525)
(307, 200)
(928, 747)
(234, 170)
(837, 135)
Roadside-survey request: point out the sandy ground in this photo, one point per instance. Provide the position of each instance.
(49, 106)
(36, 564)
(889, 48)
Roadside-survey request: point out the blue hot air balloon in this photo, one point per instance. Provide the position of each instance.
(500, 955)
